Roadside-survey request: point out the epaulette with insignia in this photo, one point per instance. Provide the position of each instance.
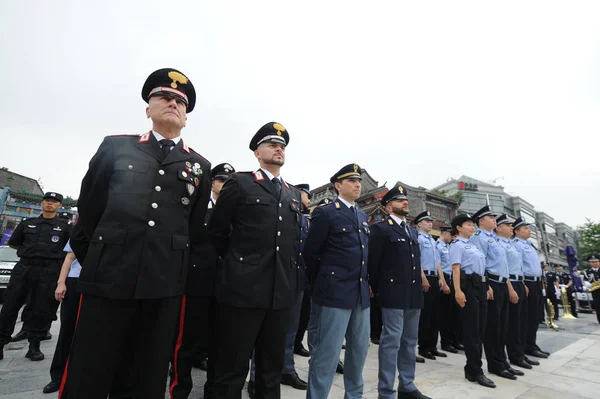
(390, 222)
(337, 205)
(477, 232)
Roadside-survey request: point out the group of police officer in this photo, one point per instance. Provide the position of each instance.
(179, 259)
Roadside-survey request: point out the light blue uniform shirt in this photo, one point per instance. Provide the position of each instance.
(429, 253)
(515, 261)
(75, 266)
(470, 258)
(531, 260)
(444, 256)
(495, 256)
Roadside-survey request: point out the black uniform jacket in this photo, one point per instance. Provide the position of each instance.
(201, 277)
(395, 266)
(136, 213)
(40, 238)
(255, 231)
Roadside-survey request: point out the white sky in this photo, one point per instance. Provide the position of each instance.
(411, 91)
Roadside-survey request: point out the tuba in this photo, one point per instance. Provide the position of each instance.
(565, 302)
(550, 315)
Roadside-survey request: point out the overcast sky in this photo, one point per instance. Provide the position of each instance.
(411, 91)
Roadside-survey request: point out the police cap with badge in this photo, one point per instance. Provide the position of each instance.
(458, 220)
(271, 132)
(169, 82)
(502, 219)
(52, 195)
(306, 188)
(395, 193)
(519, 222)
(423, 216)
(222, 171)
(350, 171)
(324, 201)
(485, 211)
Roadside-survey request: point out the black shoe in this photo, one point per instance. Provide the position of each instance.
(449, 348)
(53, 386)
(504, 374)
(419, 359)
(460, 347)
(544, 352)
(20, 336)
(522, 363)
(294, 381)
(481, 380)
(536, 353)
(556, 318)
(251, 391)
(437, 353)
(427, 355)
(513, 371)
(1, 352)
(202, 365)
(413, 394)
(532, 362)
(47, 337)
(340, 368)
(34, 353)
(301, 350)
(375, 340)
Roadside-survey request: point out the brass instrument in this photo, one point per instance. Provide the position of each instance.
(550, 315)
(595, 286)
(564, 296)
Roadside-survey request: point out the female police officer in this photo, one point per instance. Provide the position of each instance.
(471, 292)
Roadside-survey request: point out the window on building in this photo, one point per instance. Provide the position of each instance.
(548, 228)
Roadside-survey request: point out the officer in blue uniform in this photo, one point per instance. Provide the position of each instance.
(395, 278)
(336, 260)
(449, 313)
(471, 291)
(497, 274)
(299, 348)
(433, 281)
(533, 281)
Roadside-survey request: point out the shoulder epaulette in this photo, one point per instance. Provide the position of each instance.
(477, 232)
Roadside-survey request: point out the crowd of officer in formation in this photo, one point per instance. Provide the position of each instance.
(174, 264)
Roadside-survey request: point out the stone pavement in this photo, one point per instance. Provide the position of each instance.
(572, 371)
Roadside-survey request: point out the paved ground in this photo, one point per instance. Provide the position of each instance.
(572, 371)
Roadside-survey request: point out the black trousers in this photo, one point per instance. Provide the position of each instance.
(572, 301)
(551, 294)
(429, 320)
(517, 319)
(121, 334)
(496, 328)
(240, 331)
(40, 283)
(473, 317)
(198, 320)
(376, 319)
(450, 328)
(596, 302)
(531, 316)
(68, 319)
(304, 317)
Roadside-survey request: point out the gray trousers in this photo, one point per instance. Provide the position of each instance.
(397, 351)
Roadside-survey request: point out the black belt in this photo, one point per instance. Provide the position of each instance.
(532, 278)
(496, 279)
(515, 277)
(38, 261)
(430, 273)
(477, 278)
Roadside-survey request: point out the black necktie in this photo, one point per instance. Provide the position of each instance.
(353, 209)
(277, 184)
(403, 225)
(166, 146)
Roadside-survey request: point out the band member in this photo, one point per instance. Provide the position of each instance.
(471, 293)
(564, 280)
(551, 287)
(254, 229)
(395, 278)
(200, 304)
(532, 276)
(141, 200)
(336, 255)
(593, 276)
(433, 281)
(449, 310)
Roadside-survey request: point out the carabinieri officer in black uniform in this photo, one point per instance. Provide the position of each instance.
(39, 243)
(254, 228)
(199, 332)
(141, 200)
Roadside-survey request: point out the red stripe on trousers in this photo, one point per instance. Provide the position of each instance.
(64, 378)
(177, 346)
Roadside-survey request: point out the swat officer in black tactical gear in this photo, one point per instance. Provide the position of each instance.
(39, 243)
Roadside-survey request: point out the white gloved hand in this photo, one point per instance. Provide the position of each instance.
(543, 291)
(557, 294)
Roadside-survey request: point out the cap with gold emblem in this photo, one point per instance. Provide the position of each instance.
(351, 171)
(170, 82)
(395, 193)
(324, 201)
(423, 216)
(272, 132)
(222, 171)
(54, 196)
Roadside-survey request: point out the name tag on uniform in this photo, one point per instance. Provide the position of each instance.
(31, 226)
(57, 228)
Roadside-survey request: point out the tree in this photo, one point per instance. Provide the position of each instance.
(458, 197)
(589, 240)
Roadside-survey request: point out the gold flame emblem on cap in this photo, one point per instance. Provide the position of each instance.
(400, 189)
(355, 168)
(177, 78)
(279, 128)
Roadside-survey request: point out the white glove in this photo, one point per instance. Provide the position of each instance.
(557, 292)
(543, 291)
